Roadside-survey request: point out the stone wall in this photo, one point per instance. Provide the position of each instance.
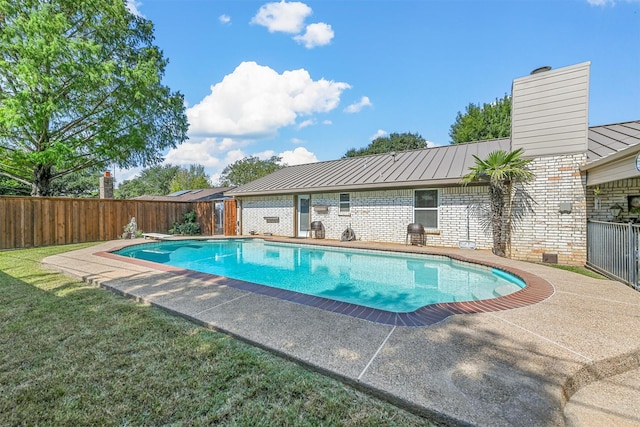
(558, 184)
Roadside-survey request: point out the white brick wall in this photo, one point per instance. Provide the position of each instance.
(376, 216)
(383, 216)
(256, 209)
(453, 217)
(558, 180)
(610, 194)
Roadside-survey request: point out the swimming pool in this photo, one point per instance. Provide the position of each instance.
(390, 281)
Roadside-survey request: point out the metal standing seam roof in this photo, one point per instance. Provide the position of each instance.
(189, 195)
(436, 166)
(444, 165)
(610, 139)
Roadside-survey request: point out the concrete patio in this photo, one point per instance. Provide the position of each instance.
(572, 359)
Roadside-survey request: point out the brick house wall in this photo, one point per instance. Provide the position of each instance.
(375, 216)
(558, 181)
(610, 194)
(268, 214)
(383, 216)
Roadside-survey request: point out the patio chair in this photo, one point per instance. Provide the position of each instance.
(416, 231)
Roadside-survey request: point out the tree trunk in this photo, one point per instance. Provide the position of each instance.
(496, 193)
(41, 186)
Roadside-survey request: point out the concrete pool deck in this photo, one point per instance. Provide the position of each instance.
(570, 359)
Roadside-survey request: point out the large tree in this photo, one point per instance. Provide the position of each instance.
(11, 187)
(80, 87)
(482, 122)
(84, 183)
(502, 170)
(249, 169)
(193, 178)
(386, 144)
(154, 181)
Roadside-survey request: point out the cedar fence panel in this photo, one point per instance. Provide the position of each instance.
(43, 221)
(230, 217)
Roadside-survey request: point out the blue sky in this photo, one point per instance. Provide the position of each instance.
(309, 80)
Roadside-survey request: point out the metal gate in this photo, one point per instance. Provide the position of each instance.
(613, 249)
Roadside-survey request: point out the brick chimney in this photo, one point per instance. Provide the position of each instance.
(106, 186)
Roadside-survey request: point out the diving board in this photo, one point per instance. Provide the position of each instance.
(158, 236)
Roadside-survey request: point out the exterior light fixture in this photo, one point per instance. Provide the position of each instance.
(616, 210)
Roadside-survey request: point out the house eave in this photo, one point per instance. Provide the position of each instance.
(634, 149)
(449, 182)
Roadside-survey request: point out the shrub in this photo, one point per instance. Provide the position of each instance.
(189, 225)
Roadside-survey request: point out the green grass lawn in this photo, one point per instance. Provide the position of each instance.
(74, 354)
(580, 270)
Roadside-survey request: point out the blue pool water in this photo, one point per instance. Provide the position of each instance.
(389, 281)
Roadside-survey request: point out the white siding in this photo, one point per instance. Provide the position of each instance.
(550, 111)
(619, 169)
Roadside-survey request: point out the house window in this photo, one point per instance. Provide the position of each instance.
(426, 208)
(345, 203)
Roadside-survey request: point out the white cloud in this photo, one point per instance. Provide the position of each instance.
(233, 156)
(327, 122)
(200, 152)
(224, 19)
(298, 156)
(378, 134)
(356, 107)
(256, 101)
(264, 155)
(319, 34)
(282, 16)
(122, 175)
(212, 153)
(608, 2)
(132, 6)
(297, 141)
(214, 179)
(306, 123)
(432, 144)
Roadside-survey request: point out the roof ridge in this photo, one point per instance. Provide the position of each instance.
(616, 123)
(400, 152)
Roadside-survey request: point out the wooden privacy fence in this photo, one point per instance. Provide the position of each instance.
(43, 221)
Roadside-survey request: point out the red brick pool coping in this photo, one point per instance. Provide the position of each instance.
(536, 290)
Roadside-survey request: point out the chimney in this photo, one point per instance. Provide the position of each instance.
(106, 186)
(549, 111)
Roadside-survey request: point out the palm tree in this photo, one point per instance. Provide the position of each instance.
(501, 169)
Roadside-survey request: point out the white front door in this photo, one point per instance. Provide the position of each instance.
(303, 215)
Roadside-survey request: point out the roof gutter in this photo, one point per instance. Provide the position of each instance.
(351, 187)
(634, 149)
